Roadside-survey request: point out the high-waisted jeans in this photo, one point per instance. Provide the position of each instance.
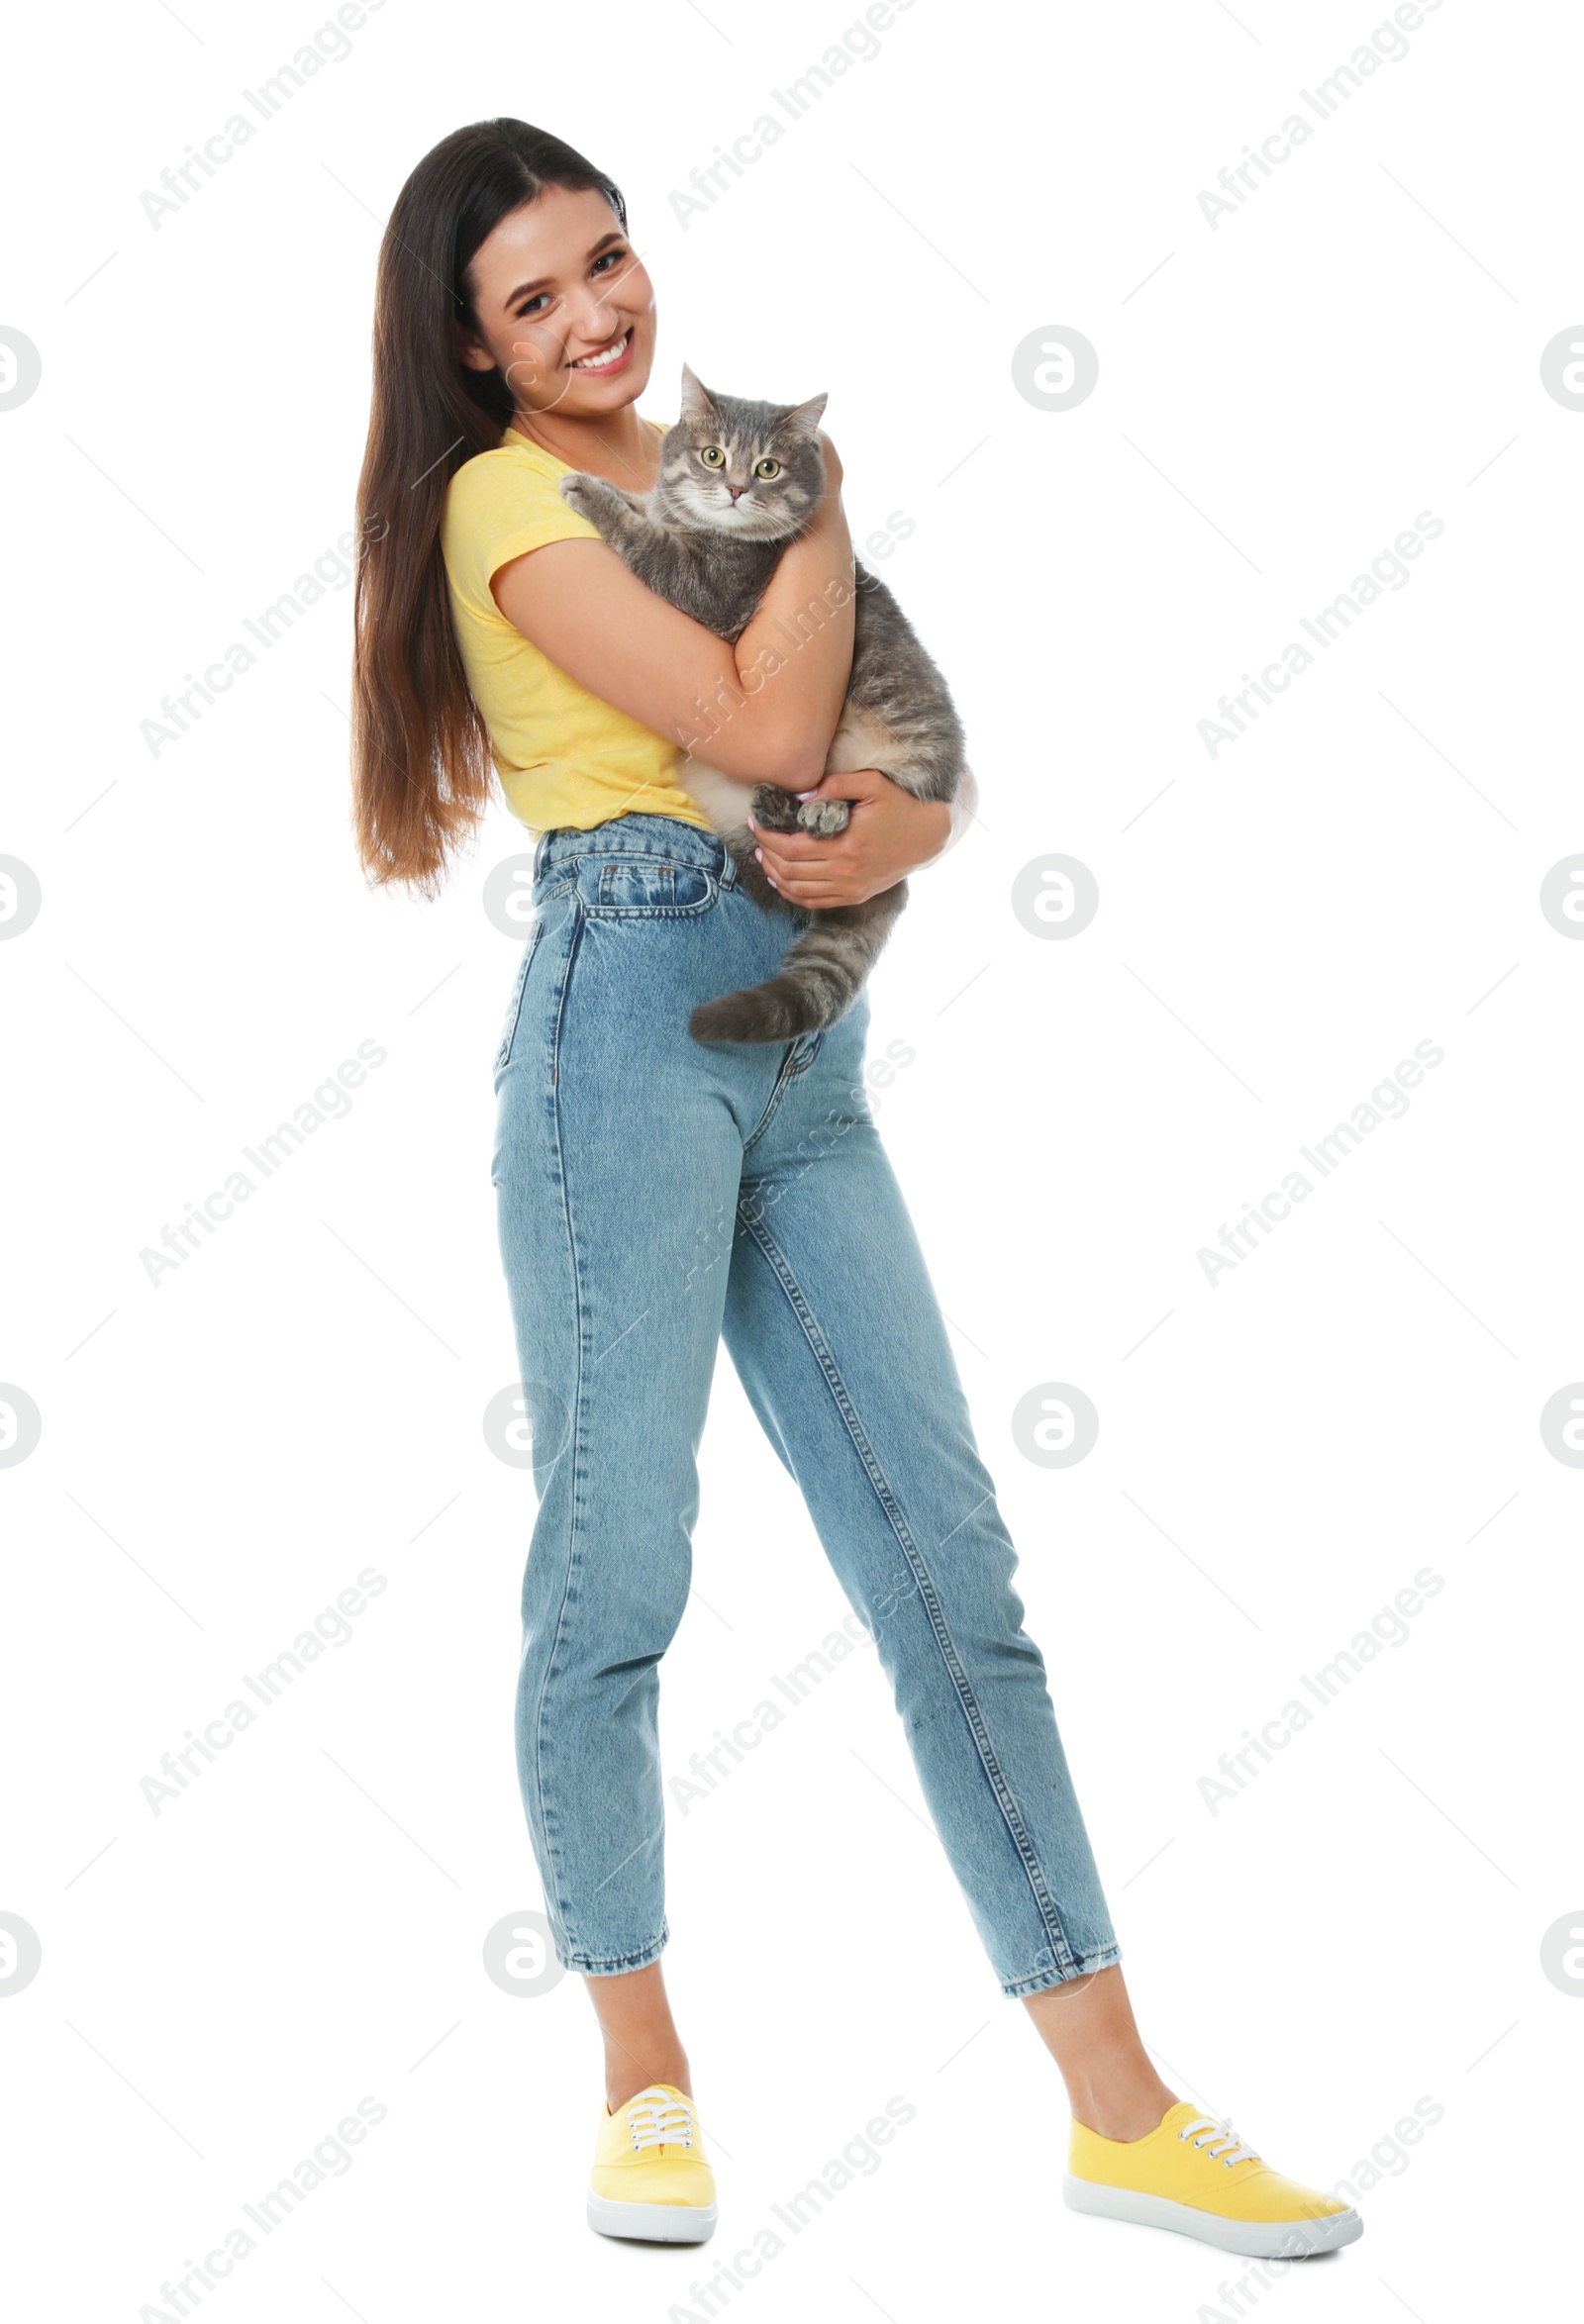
(655, 1194)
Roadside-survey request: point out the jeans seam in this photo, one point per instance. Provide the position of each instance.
(578, 1449)
(618, 912)
(577, 916)
(618, 1963)
(1045, 1904)
(783, 1081)
(1082, 1965)
(503, 1056)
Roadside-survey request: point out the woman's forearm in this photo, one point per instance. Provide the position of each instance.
(760, 712)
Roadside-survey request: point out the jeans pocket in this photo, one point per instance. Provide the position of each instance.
(637, 887)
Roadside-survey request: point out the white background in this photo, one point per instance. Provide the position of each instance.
(1361, 1927)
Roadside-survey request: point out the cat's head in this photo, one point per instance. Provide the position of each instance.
(751, 470)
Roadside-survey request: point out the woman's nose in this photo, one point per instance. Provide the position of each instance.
(597, 321)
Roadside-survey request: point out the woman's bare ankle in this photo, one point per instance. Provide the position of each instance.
(1123, 2111)
(1087, 2024)
(625, 2076)
(642, 2043)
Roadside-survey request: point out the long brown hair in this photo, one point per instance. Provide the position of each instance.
(421, 755)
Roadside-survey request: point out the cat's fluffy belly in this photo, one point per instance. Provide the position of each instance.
(862, 741)
(726, 803)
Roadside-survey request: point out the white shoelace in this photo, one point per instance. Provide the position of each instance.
(1221, 2137)
(661, 2122)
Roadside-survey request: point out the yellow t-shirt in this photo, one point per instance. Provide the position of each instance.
(564, 756)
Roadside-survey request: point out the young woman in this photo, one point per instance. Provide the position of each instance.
(655, 1194)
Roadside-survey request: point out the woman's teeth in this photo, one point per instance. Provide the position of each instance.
(606, 358)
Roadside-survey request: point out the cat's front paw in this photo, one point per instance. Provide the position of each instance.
(824, 816)
(582, 493)
(775, 809)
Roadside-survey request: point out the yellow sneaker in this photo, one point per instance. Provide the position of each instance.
(1195, 2175)
(650, 2180)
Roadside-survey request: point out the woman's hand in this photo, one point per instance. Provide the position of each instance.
(889, 834)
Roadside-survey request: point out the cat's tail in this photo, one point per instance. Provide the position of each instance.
(818, 980)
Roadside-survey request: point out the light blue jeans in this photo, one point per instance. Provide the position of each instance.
(653, 1195)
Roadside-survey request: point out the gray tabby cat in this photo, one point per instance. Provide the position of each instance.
(737, 481)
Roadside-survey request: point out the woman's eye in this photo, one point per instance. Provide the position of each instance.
(713, 456)
(768, 469)
(530, 305)
(607, 258)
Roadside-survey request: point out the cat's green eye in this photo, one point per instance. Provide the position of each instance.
(713, 456)
(768, 469)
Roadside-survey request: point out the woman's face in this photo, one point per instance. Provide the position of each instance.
(565, 311)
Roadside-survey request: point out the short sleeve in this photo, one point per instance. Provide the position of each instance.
(499, 506)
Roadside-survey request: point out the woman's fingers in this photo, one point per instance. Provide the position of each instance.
(818, 873)
(800, 848)
(819, 895)
(816, 889)
(802, 878)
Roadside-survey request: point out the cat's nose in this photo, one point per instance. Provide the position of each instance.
(736, 491)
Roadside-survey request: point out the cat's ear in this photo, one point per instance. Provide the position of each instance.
(697, 404)
(804, 418)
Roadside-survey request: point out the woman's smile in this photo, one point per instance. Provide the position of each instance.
(615, 355)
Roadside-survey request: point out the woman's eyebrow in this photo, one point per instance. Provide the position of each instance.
(526, 289)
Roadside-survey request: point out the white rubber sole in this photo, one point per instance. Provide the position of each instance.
(652, 2222)
(1274, 2239)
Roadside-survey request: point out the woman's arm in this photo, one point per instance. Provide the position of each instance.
(890, 834)
(762, 711)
